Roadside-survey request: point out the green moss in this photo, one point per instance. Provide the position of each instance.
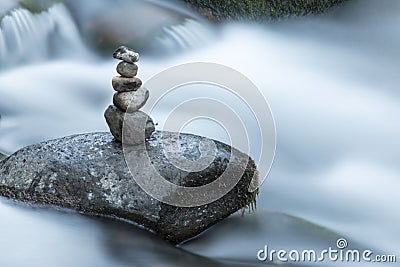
(283, 8)
(260, 9)
(250, 200)
(37, 6)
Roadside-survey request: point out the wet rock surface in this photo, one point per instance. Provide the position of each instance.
(126, 54)
(133, 128)
(131, 101)
(126, 69)
(123, 84)
(88, 173)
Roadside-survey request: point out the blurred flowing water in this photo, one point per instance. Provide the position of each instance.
(27, 37)
(331, 80)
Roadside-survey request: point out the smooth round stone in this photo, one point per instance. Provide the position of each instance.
(126, 54)
(134, 123)
(122, 84)
(131, 101)
(127, 70)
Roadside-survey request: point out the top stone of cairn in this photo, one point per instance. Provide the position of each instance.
(126, 54)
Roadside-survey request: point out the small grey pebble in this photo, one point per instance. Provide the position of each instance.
(127, 70)
(126, 54)
(121, 84)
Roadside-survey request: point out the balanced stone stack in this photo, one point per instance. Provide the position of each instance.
(128, 124)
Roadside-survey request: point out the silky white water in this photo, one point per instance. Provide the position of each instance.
(332, 84)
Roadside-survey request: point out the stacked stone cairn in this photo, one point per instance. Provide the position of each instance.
(126, 122)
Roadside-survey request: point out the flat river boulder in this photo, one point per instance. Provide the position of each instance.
(89, 173)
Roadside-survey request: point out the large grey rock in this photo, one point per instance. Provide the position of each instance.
(131, 101)
(134, 132)
(88, 173)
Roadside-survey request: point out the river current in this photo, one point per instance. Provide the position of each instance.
(332, 82)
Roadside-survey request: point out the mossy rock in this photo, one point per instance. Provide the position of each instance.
(259, 9)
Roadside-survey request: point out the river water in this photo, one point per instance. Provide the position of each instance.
(332, 83)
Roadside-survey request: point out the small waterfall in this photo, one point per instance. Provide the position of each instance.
(189, 35)
(26, 37)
